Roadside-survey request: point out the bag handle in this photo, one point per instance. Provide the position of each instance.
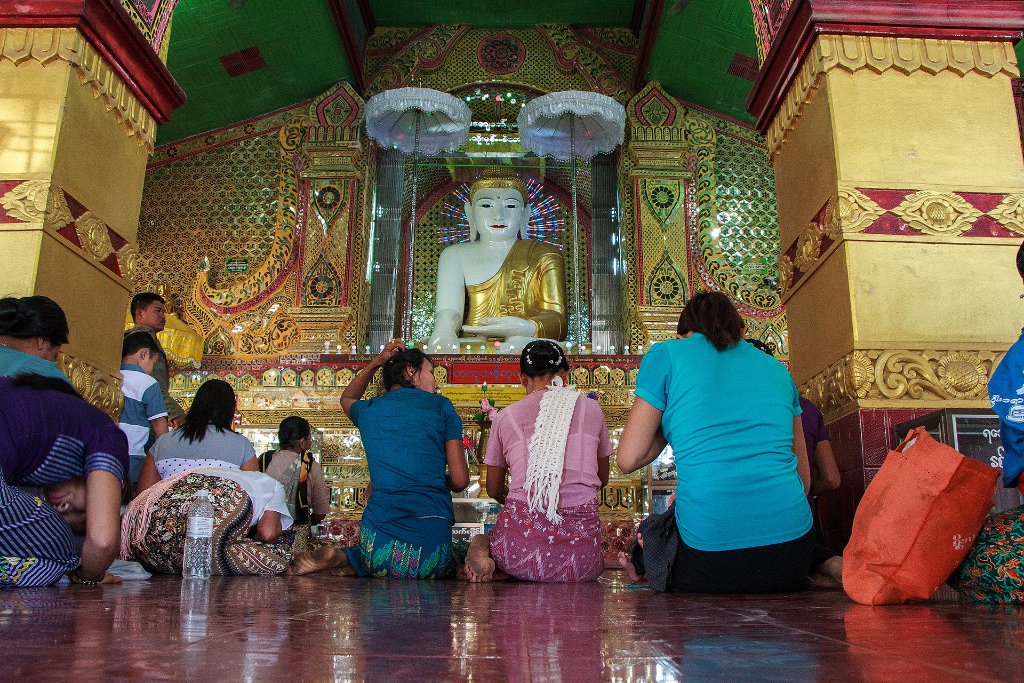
(911, 438)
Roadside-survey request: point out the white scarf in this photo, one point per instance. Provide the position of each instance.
(547, 448)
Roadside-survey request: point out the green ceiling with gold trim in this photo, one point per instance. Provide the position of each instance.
(299, 43)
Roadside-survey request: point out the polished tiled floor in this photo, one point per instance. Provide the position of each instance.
(324, 628)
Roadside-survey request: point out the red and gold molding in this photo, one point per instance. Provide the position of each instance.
(108, 29)
(1000, 21)
(903, 378)
(907, 213)
(39, 202)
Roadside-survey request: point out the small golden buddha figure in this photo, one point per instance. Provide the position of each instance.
(515, 287)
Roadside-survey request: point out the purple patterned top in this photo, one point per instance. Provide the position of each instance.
(814, 428)
(47, 436)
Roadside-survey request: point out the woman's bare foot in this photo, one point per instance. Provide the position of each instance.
(630, 570)
(479, 565)
(318, 560)
(829, 574)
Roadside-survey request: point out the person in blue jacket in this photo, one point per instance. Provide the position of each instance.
(1006, 392)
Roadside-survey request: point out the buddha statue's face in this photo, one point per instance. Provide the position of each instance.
(498, 214)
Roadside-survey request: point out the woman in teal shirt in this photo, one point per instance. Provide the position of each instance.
(732, 416)
(413, 442)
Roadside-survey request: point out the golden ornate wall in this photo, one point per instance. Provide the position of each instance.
(286, 196)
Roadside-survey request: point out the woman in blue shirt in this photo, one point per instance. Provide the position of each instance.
(732, 416)
(413, 442)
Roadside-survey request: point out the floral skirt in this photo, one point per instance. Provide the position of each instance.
(162, 546)
(992, 571)
(526, 545)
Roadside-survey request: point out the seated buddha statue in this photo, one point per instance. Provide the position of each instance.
(498, 286)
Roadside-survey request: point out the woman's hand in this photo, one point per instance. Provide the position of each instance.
(357, 387)
(390, 349)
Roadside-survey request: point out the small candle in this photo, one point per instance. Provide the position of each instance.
(455, 348)
(625, 349)
(640, 350)
(569, 345)
(483, 348)
(497, 346)
(424, 348)
(511, 348)
(367, 349)
(327, 347)
(382, 348)
(597, 349)
(612, 350)
(353, 349)
(437, 349)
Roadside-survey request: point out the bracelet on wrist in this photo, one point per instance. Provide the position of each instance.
(79, 577)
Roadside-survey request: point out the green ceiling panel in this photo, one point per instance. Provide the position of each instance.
(298, 41)
(502, 13)
(693, 50)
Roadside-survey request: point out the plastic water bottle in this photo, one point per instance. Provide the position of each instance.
(197, 560)
(491, 518)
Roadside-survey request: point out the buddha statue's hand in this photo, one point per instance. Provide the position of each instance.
(442, 341)
(503, 326)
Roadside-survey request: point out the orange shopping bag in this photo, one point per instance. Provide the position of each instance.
(916, 522)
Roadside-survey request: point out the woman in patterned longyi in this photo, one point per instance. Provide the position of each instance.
(555, 445)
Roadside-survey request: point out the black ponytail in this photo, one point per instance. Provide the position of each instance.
(33, 316)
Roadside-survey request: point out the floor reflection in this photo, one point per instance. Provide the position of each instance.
(326, 628)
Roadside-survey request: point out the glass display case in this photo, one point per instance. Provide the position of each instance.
(972, 432)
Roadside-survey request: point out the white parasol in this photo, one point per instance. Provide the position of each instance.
(566, 125)
(416, 121)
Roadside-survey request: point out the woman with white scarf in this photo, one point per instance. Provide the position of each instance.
(554, 445)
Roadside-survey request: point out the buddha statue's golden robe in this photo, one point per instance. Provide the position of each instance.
(530, 284)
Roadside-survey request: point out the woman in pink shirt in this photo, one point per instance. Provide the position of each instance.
(554, 444)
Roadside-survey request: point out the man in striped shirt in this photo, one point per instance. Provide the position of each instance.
(144, 410)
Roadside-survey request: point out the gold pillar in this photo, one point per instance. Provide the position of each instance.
(900, 181)
(901, 203)
(75, 141)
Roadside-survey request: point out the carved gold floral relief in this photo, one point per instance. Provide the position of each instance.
(785, 273)
(856, 211)
(128, 260)
(833, 224)
(902, 377)
(808, 247)
(93, 234)
(1010, 213)
(937, 213)
(58, 214)
(27, 201)
(96, 387)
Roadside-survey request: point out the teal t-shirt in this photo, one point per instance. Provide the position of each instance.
(14, 362)
(404, 434)
(728, 416)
